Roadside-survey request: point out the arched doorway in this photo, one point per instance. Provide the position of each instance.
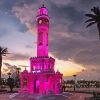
(36, 86)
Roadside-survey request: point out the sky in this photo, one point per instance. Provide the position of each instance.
(75, 47)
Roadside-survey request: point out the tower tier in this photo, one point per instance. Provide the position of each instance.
(42, 64)
(42, 31)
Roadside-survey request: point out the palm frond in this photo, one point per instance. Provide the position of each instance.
(98, 10)
(90, 24)
(89, 20)
(94, 18)
(95, 10)
(91, 15)
(4, 55)
(18, 68)
(4, 50)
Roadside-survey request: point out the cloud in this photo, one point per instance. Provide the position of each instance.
(10, 24)
(69, 39)
(13, 12)
(63, 2)
(89, 56)
(80, 51)
(70, 19)
(23, 66)
(17, 56)
(3, 32)
(9, 65)
(27, 14)
(9, 4)
(29, 46)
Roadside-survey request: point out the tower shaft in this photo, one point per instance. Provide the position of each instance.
(42, 30)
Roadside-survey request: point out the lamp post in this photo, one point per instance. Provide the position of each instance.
(74, 82)
(9, 74)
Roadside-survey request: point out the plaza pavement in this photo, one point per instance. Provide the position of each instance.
(64, 96)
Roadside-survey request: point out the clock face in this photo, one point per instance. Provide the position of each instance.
(40, 21)
(43, 21)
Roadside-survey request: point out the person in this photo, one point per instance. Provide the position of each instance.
(63, 86)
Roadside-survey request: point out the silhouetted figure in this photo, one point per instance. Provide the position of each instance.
(10, 82)
(63, 86)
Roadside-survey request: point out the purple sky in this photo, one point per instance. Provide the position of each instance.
(69, 39)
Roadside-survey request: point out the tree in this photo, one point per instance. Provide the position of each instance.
(94, 18)
(3, 52)
(10, 82)
(18, 70)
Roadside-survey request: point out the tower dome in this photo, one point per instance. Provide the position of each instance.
(25, 71)
(57, 72)
(43, 10)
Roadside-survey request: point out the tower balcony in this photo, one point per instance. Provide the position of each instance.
(42, 64)
(42, 16)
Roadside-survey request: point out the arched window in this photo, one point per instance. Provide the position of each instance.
(24, 82)
(49, 67)
(40, 38)
(34, 67)
(43, 66)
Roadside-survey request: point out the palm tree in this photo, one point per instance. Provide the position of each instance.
(18, 70)
(3, 52)
(94, 18)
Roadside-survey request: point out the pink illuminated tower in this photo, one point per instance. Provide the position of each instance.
(42, 29)
(42, 77)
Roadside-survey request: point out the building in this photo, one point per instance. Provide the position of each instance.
(42, 77)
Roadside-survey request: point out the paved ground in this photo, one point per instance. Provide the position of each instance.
(64, 96)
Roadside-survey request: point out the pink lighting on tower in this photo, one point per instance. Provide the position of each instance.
(42, 30)
(42, 77)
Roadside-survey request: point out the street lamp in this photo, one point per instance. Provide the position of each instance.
(74, 81)
(9, 74)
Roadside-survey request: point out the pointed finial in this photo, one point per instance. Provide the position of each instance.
(42, 5)
(57, 70)
(25, 67)
(43, 1)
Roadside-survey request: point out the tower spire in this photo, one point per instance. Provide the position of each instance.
(43, 5)
(42, 31)
(25, 68)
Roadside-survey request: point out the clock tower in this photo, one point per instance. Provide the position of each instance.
(42, 77)
(42, 30)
